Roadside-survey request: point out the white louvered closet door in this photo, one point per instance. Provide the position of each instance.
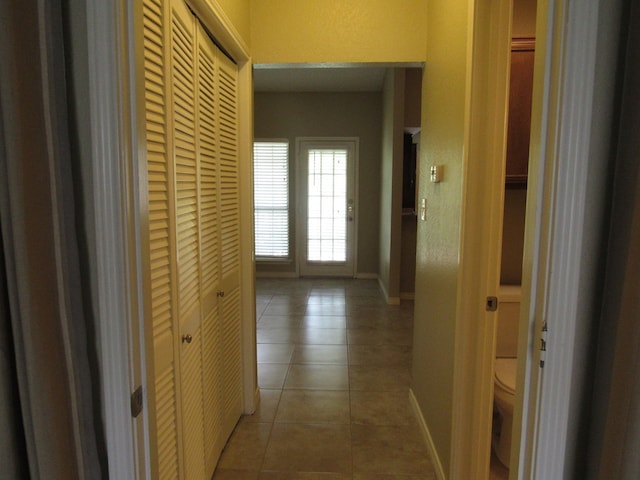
(194, 335)
(229, 227)
(208, 153)
(162, 332)
(184, 104)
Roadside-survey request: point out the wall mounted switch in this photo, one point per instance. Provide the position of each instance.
(436, 173)
(423, 209)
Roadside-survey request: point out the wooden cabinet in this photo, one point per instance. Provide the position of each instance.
(519, 123)
(193, 295)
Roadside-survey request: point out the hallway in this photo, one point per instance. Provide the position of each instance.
(334, 366)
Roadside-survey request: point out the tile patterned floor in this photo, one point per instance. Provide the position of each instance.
(334, 371)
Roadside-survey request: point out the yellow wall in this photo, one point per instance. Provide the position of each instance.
(438, 245)
(316, 31)
(238, 12)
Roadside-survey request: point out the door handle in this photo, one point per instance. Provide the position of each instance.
(187, 338)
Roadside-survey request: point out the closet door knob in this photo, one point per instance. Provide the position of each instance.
(187, 338)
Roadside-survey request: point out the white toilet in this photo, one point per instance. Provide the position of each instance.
(505, 370)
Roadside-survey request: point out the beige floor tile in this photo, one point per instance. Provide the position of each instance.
(267, 407)
(260, 308)
(320, 354)
(323, 321)
(372, 336)
(379, 323)
(366, 301)
(246, 447)
(343, 356)
(317, 377)
(308, 448)
(279, 321)
(322, 336)
(374, 312)
(380, 355)
(338, 300)
(293, 299)
(313, 406)
(381, 408)
(277, 335)
(272, 375)
(379, 379)
(323, 309)
(285, 309)
(397, 450)
(274, 352)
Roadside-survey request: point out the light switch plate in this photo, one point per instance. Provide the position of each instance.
(423, 209)
(436, 173)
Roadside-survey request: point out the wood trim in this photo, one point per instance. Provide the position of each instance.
(523, 44)
(480, 246)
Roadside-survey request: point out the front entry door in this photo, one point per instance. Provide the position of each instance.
(326, 206)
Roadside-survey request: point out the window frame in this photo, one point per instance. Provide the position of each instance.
(290, 254)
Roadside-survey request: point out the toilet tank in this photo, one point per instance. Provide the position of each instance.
(508, 321)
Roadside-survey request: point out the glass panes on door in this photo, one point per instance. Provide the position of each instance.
(327, 205)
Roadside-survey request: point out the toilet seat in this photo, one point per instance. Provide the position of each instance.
(505, 374)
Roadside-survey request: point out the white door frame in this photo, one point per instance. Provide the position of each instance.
(352, 144)
(567, 48)
(481, 242)
(116, 223)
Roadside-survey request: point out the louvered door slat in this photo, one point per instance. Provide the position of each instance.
(207, 150)
(183, 98)
(184, 106)
(228, 151)
(163, 396)
(231, 360)
(229, 228)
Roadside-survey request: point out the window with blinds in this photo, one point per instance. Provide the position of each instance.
(271, 199)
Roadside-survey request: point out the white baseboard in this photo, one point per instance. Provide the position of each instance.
(390, 300)
(393, 300)
(422, 424)
(251, 409)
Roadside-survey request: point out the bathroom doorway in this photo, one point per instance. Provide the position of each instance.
(515, 195)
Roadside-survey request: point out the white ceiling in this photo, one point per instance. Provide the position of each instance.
(318, 78)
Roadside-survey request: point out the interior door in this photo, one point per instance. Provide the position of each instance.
(187, 235)
(327, 206)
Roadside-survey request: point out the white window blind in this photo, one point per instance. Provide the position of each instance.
(271, 199)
